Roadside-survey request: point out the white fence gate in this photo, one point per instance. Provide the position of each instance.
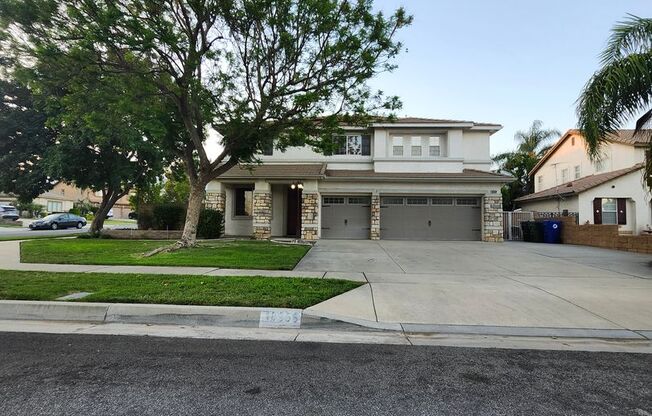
(512, 224)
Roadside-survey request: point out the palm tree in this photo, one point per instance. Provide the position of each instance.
(533, 143)
(621, 90)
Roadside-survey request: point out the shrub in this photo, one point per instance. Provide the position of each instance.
(168, 216)
(211, 224)
(145, 218)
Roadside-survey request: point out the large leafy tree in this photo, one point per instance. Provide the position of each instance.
(532, 145)
(621, 90)
(257, 71)
(24, 141)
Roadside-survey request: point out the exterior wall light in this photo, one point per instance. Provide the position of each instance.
(296, 185)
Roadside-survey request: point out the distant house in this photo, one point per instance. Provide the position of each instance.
(62, 197)
(612, 190)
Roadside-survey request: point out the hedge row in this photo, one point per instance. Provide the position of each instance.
(173, 216)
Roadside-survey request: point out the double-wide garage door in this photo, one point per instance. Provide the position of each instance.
(430, 218)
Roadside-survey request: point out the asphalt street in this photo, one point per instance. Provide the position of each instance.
(99, 375)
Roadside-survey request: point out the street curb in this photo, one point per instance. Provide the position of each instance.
(250, 317)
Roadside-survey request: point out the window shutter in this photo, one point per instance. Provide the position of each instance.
(597, 211)
(622, 211)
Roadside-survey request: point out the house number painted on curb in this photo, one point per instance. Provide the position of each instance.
(280, 318)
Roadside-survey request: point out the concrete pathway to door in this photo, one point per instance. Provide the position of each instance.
(473, 287)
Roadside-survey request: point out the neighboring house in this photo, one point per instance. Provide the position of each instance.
(410, 179)
(62, 197)
(610, 191)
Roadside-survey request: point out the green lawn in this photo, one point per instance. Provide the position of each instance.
(119, 221)
(282, 292)
(234, 254)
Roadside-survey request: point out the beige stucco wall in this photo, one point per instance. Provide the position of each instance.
(552, 205)
(615, 156)
(639, 212)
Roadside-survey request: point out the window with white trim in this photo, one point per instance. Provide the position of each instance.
(397, 150)
(435, 147)
(540, 180)
(55, 206)
(416, 149)
(578, 172)
(564, 175)
(609, 211)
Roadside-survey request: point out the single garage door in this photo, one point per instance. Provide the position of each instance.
(346, 217)
(430, 218)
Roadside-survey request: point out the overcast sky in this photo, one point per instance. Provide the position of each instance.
(501, 61)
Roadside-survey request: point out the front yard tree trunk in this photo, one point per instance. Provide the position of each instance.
(109, 198)
(195, 204)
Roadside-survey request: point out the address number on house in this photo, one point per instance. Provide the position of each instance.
(280, 318)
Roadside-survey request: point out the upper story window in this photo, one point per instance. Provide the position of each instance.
(354, 145)
(416, 149)
(435, 147)
(540, 180)
(564, 175)
(578, 172)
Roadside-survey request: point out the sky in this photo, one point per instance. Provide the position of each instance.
(501, 61)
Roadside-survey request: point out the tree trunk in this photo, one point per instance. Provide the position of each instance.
(195, 204)
(108, 200)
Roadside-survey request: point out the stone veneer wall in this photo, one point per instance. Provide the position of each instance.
(215, 200)
(262, 215)
(492, 229)
(309, 216)
(375, 217)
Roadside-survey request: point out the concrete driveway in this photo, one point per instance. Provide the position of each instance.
(521, 288)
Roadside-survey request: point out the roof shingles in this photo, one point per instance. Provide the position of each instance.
(579, 185)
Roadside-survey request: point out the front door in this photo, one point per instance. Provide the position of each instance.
(294, 213)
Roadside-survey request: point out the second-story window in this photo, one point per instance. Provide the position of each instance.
(540, 180)
(435, 147)
(564, 175)
(578, 172)
(354, 145)
(416, 150)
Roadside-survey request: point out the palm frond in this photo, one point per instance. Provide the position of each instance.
(615, 94)
(633, 35)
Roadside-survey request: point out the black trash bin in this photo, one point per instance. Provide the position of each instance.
(537, 231)
(525, 228)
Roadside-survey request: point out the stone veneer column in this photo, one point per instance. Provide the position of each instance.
(309, 216)
(375, 217)
(492, 227)
(215, 200)
(262, 216)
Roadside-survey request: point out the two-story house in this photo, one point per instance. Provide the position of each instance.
(612, 190)
(409, 179)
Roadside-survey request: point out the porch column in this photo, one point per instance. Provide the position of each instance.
(492, 218)
(262, 215)
(310, 211)
(215, 197)
(375, 217)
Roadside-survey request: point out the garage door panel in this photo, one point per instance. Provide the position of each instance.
(346, 217)
(440, 219)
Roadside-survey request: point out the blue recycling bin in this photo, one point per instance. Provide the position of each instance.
(552, 232)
